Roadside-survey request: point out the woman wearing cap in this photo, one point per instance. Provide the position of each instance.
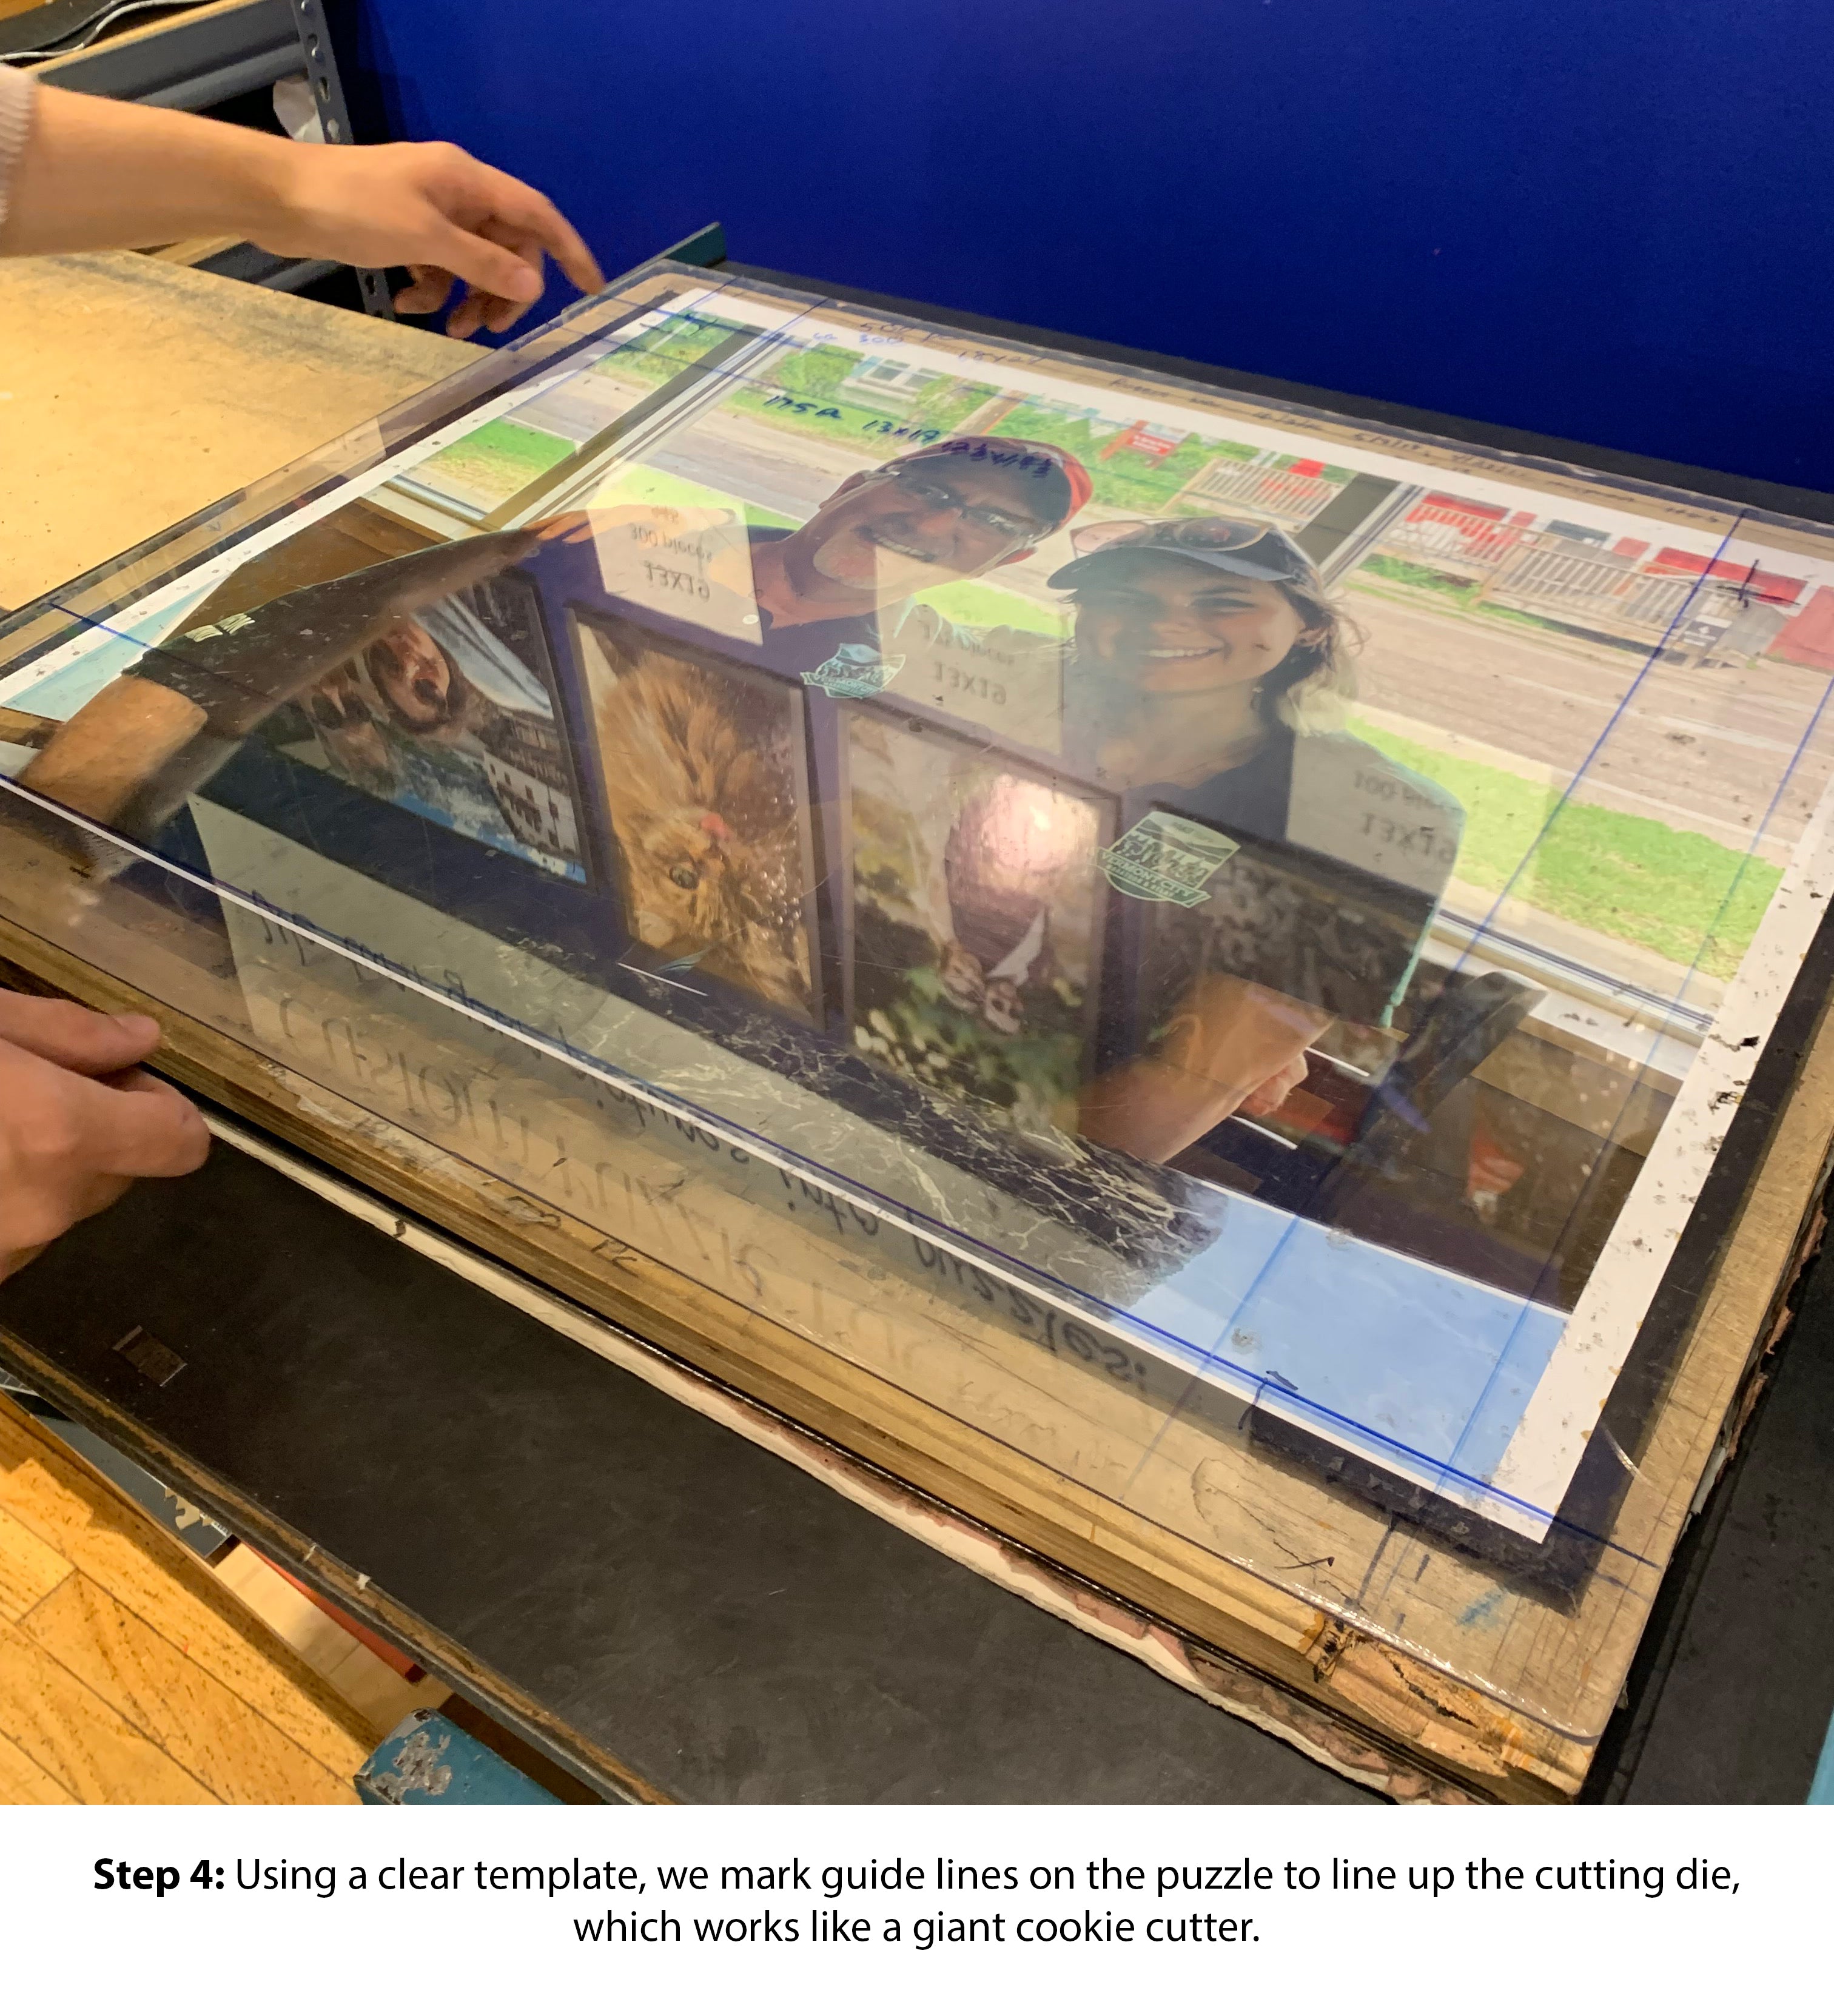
(1207, 683)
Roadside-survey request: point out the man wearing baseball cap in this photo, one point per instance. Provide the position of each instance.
(950, 511)
(831, 600)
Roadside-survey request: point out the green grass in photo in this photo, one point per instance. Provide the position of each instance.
(656, 355)
(1679, 894)
(493, 464)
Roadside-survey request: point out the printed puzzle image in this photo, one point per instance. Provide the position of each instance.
(1116, 819)
(704, 781)
(977, 915)
(450, 715)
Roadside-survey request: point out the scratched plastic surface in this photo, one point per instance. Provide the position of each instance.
(1216, 947)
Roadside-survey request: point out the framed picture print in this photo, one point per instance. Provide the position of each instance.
(452, 715)
(975, 904)
(704, 773)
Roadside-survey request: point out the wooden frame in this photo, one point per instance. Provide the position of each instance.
(1319, 1677)
(1212, 1621)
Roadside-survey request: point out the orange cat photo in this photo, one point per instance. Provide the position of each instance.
(703, 778)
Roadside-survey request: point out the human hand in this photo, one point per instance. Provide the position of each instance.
(139, 742)
(1228, 1046)
(430, 207)
(1270, 1095)
(78, 1122)
(1243, 1040)
(420, 580)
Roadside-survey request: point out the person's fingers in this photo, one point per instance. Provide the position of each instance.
(571, 527)
(482, 263)
(468, 318)
(444, 216)
(77, 1039)
(519, 215)
(428, 289)
(51, 1219)
(498, 315)
(1273, 1094)
(10, 1263)
(527, 225)
(529, 213)
(443, 571)
(477, 309)
(144, 1128)
(96, 1194)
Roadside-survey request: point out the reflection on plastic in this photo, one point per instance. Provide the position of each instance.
(893, 837)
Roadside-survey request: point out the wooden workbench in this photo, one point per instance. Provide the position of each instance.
(133, 392)
(284, 375)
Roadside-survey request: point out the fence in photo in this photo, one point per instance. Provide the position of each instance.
(1286, 493)
(1690, 606)
(1457, 535)
(1578, 583)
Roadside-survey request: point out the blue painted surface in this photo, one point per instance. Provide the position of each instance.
(1821, 1792)
(428, 1761)
(1435, 1369)
(1607, 223)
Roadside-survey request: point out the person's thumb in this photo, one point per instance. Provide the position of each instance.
(139, 1126)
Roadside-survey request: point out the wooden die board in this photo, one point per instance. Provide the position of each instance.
(1391, 1713)
(1388, 1701)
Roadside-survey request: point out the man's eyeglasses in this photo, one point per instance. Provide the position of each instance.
(983, 517)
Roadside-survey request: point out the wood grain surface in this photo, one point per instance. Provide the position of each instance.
(128, 1673)
(30, 1569)
(134, 392)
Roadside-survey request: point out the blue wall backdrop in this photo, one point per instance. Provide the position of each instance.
(1610, 222)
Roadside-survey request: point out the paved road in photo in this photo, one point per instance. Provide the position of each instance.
(1705, 750)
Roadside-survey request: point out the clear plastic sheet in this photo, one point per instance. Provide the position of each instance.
(1214, 948)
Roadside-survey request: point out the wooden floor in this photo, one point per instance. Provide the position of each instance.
(131, 1674)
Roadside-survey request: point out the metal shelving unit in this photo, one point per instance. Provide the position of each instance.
(206, 56)
(190, 61)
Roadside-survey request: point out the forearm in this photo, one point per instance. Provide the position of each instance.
(164, 727)
(94, 174)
